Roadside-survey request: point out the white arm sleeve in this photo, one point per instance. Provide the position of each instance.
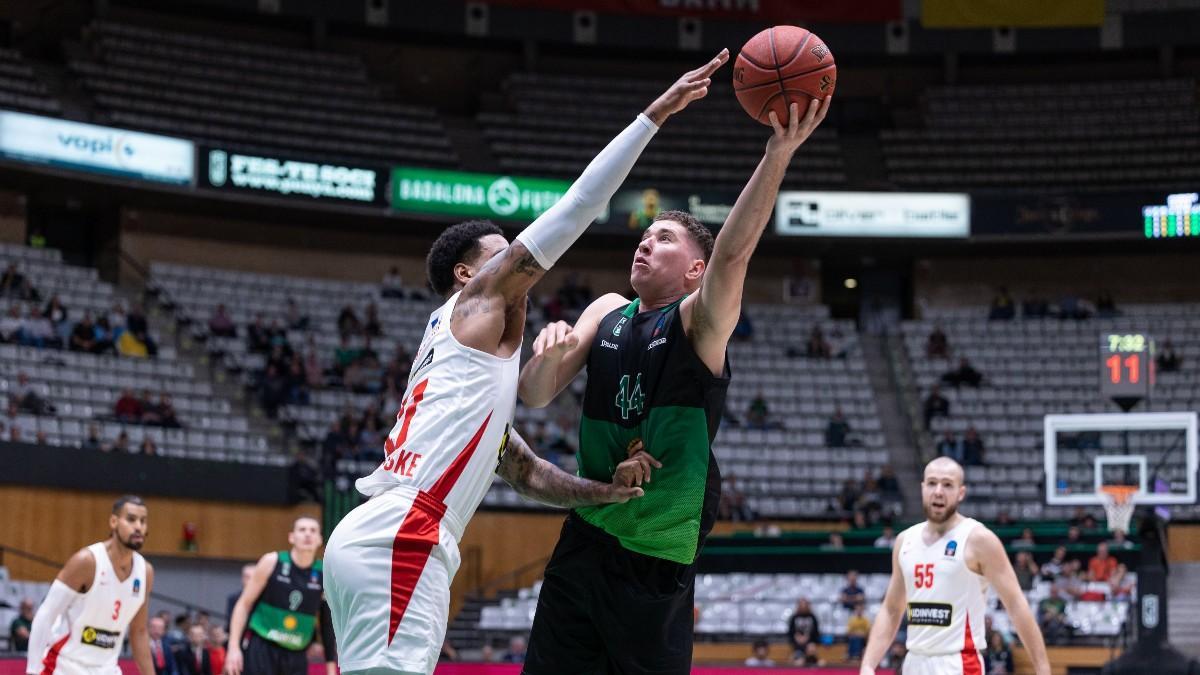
(58, 599)
(548, 237)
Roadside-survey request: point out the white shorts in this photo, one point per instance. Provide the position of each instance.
(388, 567)
(965, 663)
(65, 666)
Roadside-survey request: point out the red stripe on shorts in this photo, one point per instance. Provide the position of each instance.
(418, 534)
(51, 659)
(970, 656)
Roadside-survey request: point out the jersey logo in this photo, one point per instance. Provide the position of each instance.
(607, 345)
(503, 446)
(98, 637)
(426, 361)
(930, 614)
(620, 324)
(657, 343)
(137, 586)
(659, 325)
(951, 548)
(287, 569)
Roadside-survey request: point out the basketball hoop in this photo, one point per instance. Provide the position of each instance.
(1118, 505)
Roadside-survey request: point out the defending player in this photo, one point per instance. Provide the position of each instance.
(618, 590)
(281, 605)
(390, 562)
(97, 597)
(941, 569)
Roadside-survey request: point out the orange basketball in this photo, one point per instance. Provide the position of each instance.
(780, 66)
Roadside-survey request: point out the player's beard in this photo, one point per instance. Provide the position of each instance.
(950, 510)
(130, 544)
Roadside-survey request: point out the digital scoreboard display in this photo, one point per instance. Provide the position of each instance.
(1126, 365)
(1179, 217)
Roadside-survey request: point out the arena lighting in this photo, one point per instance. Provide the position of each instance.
(851, 283)
(1179, 217)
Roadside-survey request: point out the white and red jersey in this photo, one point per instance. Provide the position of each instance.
(946, 600)
(90, 633)
(453, 423)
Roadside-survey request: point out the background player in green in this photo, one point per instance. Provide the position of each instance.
(280, 606)
(618, 591)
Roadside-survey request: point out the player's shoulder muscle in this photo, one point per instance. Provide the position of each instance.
(79, 571)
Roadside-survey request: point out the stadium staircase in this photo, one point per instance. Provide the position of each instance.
(1183, 585)
(894, 421)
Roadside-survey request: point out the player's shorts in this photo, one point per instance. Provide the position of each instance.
(606, 609)
(263, 657)
(388, 568)
(65, 666)
(966, 663)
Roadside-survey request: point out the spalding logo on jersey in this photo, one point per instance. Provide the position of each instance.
(930, 614)
(951, 548)
(97, 637)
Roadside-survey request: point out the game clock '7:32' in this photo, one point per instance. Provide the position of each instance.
(1126, 364)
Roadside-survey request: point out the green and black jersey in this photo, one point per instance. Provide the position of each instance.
(646, 382)
(286, 611)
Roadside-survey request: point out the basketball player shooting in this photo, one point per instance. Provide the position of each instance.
(618, 590)
(941, 569)
(99, 595)
(389, 563)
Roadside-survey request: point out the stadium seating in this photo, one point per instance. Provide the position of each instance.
(1035, 367)
(1050, 137)
(12, 592)
(254, 97)
(551, 129)
(20, 89)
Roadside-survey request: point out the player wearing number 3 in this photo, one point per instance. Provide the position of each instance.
(941, 570)
(390, 562)
(97, 597)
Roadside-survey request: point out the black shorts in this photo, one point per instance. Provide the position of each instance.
(606, 609)
(262, 657)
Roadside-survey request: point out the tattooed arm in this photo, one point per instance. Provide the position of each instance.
(535, 478)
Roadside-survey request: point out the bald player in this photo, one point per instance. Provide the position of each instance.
(941, 570)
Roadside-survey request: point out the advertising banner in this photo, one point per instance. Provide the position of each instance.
(97, 149)
(780, 11)
(459, 194)
(278, 176)
(873, 214)
(635, 208)
(1015, 13)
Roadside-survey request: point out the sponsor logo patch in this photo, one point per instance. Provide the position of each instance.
(137, 586)
(951, 548)
(98, 637)
(657, 343)
(930, 614)
(606, 344)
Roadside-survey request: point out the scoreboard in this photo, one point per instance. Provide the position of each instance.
(1179, 217)
(1126, 365)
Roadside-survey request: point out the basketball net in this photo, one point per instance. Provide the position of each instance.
(1118, 505)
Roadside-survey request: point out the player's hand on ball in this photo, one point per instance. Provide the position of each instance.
(693, 85)
(787, 139)
(555, 340)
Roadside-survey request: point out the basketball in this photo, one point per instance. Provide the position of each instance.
(780, 66)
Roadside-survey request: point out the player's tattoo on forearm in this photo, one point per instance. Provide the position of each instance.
(527, 265)
(537, 479)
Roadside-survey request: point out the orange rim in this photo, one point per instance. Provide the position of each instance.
(1120, 494)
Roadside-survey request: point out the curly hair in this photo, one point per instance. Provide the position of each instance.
(695, 229)
(458, 244)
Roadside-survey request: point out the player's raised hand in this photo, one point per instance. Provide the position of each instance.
(787, 139)
(693, 85)
(555, 340)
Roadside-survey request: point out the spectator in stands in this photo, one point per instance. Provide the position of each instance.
(12, 281)
(837, 429)
(272, 390)
(370, 440)
(121, 444)
(870, 499)
(216, 649)
(147, 447)
(1119, 541)
(937, 346)
(936, 405)
(803, 628)
(858, 627)
(396, 374)
(348, 323)
(1052, 617)
(1168, 360)
(973, 449)
(166, 412)
(1026, 569)
(37, 331)
(1035, 306)
(887, 538)
(162, 651)
(732, 505)
(1072, 307)
(849, 495)
(516, 650)
(1073, 535)
(83, 336)
(965, 374)
(129, 408)
(27, 399)
(761, 656)
(743, 330)
(296, 320)
(1106, 306)
(10, 325)
(835, 543)
(345, 354)
(372, 326)
(135, 322)
(998, 659)
(1102, 565)
(1003, 308)
(22, 623)
(392, 285)
(92, 442)
(1053, 568)
(1026, 540)
(888, 484)
(487, 653)
(758, 414)
(220, 325)
(851, 594)
(811, 657)
(57, 314)
(1121, 584)
(258, 336)
(194, 660)
(950, 446)
(816, 347)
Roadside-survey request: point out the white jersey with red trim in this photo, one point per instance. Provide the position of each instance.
(946, 600)
(453, 423)
(90, 633)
